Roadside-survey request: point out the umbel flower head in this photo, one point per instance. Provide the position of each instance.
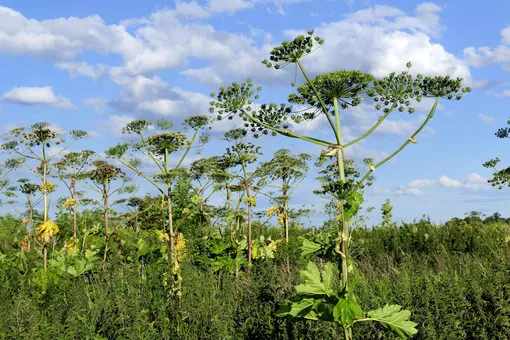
(166, 142)
(345, 86)
(291, 51)
(196, 122)
(47, 230)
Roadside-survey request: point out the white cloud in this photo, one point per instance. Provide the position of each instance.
(55, 39)
(409, 192)
(483, 56)
(37, 96)
(190, 9)
(228, 6)
(378, 40)
(115, 124)
(473, 182)
(83, 69)
(486, 118)
(98, 104)
(505, 93)
(505, 35)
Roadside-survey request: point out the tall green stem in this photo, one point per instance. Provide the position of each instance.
(323, 106)
(379, 121)
(409, 140)
(106, 189)
(247, 189)
(344, 233)
(75, 219)
(45, 195)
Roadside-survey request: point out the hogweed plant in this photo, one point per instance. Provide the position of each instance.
(241, 154)
(34, 144)
(71, 168)
(203, 173)
(500, 177)
(286, 171)
(29, 189)
(326, 96)
(157, 149)
(102, 175)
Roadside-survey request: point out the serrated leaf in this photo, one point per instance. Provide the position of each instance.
(314, 284)
(347, 310)
(309, 247)
(391, 316)
(302, 309)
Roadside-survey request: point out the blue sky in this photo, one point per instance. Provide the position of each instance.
(95, 65)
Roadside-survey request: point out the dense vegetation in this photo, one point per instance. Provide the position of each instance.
(106, 262)
(453, 278)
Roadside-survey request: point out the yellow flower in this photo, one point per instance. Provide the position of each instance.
(281, 218)
(46, 230)
(273, 210)
(70, 202)
(272, 245)
(180, 247)
(162, 236)
(69, 245)
(47, 186)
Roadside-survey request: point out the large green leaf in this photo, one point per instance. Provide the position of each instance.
(309, 247)
(347, 310)
(391, 316)
(314, 284)
(300, 309)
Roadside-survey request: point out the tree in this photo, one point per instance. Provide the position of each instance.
(326, 95)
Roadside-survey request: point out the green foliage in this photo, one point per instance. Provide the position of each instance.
(395, 319)
(386, 209)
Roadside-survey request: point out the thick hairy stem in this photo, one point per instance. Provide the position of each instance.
(75, 220)
(124, 161)
(287, 133)
(286, 213)
(45, 195)
(247, 190)
(348, 333)
(379, 121)
(30, 219)
(45, 255)
(106, 224)
(323, 106)
(344, 233)
(285, 210)
(187, 149)
(409, 140)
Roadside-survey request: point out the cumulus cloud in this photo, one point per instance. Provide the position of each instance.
(83, 69)
(37, 96)
(115, 124)
(483, 56)
(378, 40)
(98, 104)
(60, 38)
(472, 183)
